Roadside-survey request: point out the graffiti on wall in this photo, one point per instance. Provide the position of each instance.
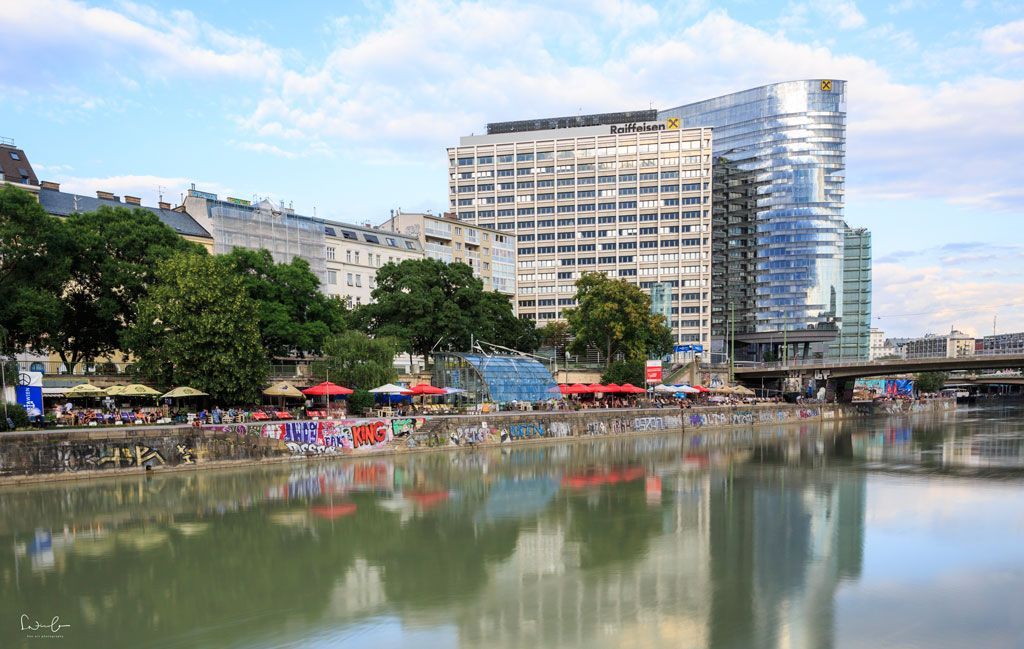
(332, 436)
(79, 457)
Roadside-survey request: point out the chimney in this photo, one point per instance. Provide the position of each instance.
(164, 206)
(107, 196)
(132, 200)
(49, 184)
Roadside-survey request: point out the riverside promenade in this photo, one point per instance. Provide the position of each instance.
(88, 452)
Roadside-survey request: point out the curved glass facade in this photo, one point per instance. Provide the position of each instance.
(496, 379)
(780, 162)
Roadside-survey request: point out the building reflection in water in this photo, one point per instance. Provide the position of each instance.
(663, 540)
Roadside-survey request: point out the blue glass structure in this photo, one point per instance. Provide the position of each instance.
(495, 379)
(779, 156)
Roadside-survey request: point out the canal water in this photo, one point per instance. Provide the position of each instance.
(885, 533)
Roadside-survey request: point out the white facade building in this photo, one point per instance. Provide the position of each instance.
(876, 344)
(621, 194)
(355, 253)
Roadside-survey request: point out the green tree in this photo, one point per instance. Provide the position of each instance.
(295, 317)
(625, 371)
(34, 266)
(930, 381)
(555, 334)
(360, 402)
(615, 317)
(198, 327)
(114, 254)
(17, 416)
(428, 305)
(355, 360)
(498, 324)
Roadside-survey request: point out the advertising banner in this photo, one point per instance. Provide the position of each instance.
(653, 371)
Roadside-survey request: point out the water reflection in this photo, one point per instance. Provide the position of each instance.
(742, 539)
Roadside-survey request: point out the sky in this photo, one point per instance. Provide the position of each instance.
(344, 109)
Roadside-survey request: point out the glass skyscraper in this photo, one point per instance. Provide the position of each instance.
(777, 249)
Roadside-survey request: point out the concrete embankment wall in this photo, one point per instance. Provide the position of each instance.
(59, 454)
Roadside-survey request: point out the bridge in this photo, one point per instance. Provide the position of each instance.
(831, 368)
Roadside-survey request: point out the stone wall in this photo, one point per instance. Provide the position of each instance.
(127, 448)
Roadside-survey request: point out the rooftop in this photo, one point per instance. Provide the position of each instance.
(61, 203)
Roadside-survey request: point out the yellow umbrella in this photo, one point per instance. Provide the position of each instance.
(136, 390)
(283, 389)
(743, 391)
(183, 391)
(85, 390)
(115, 390)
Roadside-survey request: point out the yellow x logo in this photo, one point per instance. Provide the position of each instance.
(673, 123)
(826, 85)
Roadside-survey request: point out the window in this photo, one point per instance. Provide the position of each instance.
(391, 242)
(505, 158)
(524, 157)
(410, 245)
(332, 277)
(506, 172)
(348, 279)
(359, 280)
(485, 160)
(348, 256)
(465, 161)
(330, 253)
(350, 235)
(371, 238)
(545, 183)
(524, 184)
(14, 156)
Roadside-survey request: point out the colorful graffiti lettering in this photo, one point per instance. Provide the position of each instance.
(525, 431)
(401, 427)
(185, 454)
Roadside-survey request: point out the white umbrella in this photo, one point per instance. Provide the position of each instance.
(453, 390)
(390, 388)
(665, 388)
(688, 390)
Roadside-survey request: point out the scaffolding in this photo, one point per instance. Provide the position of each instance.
(282, 232)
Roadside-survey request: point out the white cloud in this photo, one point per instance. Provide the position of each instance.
(1005, 40)
(62, 39)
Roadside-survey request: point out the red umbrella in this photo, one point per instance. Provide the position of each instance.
(563, 388)
(327, 389)
(578, 388)
(595, 387)
(701, 388)
(611, 388)
(426, 388)
(629, 388)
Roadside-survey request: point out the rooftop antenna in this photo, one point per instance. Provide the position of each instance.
(160, 192)
(994, 323)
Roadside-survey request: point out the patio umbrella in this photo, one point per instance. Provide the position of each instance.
(115, 390)
(685, 389)
(595, 387)
(183, 391)
(701, 389)
(629, 388)
(135, 390)
(453, 390)
(578, 388)
(327, 390)
(390, 388)
(424, 389)
(85, 390)
(611, 388)
(743, 390)
(666, 388)
(283, 389)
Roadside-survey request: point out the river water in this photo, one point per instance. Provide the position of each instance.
(886, 533)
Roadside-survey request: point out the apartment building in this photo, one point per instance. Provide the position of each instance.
(491, 254)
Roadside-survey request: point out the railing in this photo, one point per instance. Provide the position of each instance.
(879, 362)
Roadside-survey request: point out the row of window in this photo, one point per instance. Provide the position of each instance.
(584, 168)
(351, 279)
(590, 247)
(583, 207)
(592, 180)
(622, 149)
(647, 163)
(665, 256)
(622, 232)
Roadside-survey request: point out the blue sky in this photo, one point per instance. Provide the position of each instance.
(347, 107)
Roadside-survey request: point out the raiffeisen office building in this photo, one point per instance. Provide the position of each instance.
(625, 194)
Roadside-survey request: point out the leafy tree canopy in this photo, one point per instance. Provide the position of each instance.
(294, 316)
(615, 316)
(555, 334)
(34, 265)
(425, 302)
(930, 381)
(109, 260)
(355, 360)
(198, 327)
(631, 371)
